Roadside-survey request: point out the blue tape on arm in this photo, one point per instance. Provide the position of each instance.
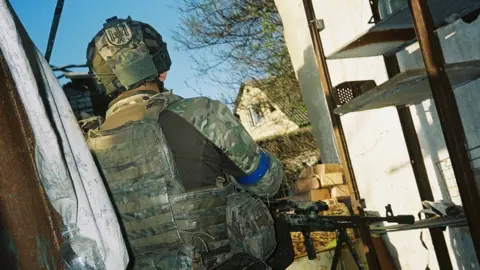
(258, 173)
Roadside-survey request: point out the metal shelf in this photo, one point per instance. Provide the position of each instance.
(437, 222)
(409, 87)
(395, 32)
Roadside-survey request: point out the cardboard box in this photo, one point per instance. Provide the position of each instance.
(313, 195)
(340, 191)
(331, 179)
(307, 184)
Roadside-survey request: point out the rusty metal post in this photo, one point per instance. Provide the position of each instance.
(328, 89)
(449, 115)
(27, 221)
(337, 126)
(416, 157)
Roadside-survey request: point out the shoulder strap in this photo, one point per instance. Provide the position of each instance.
(152, 111)
(156, 104)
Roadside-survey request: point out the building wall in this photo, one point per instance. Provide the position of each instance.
(273, 123)
(79, 100)
(375, 140)
(460, 42)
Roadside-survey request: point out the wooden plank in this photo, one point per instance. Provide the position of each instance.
(409, 87)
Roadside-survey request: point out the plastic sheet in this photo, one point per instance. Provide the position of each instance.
(65, 165)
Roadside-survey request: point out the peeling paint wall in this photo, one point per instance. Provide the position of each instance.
(375, 139)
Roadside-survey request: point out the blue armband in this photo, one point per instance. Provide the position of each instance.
(258, 173)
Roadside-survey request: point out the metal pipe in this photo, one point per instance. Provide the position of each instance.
(337, 124)
(449, 115)
(53, 29)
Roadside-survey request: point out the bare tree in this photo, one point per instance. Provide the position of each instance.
(243, 38)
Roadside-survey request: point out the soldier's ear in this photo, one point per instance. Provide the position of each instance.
(162, 76)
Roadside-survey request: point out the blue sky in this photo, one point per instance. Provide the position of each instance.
(81, 20)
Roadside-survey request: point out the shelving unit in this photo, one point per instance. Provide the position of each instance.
(417, 21)
(409, 88)
(396, 31)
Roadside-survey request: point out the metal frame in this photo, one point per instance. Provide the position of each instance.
(449, 115)
(53, 29)
(416, 160)
(337, 127)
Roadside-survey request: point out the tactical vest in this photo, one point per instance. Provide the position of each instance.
(166, 227)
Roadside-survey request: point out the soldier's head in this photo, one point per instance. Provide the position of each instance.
(126, 55)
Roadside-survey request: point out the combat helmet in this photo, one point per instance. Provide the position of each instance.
(125, 54)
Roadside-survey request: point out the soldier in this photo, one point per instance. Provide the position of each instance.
(184, 175)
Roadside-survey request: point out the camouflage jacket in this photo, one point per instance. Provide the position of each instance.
(218, 124)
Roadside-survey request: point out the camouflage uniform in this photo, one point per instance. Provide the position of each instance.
(167, 226)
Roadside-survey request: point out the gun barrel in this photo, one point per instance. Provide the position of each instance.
(330, 223)
(402, 219)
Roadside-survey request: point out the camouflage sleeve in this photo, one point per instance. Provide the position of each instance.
(216, 122)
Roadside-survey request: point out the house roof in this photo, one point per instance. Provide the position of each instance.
(287, 98)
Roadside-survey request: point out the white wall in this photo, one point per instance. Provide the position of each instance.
(460, 42)
(375, 139)
(273, 123)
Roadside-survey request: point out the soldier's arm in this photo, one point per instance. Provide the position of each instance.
(262, 172)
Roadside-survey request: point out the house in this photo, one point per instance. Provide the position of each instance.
(266, 111)
(277, 120)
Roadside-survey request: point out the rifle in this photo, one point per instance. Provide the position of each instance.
(305, 219)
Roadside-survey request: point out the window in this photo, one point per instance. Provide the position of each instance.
(255, 114)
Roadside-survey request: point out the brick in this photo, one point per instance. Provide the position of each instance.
(75, 95)
(84, 99)
(307, 172)
(333, 168)
(306, 184)
(340, 191)
(321, 169)
(313, 195)
(331, 179)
